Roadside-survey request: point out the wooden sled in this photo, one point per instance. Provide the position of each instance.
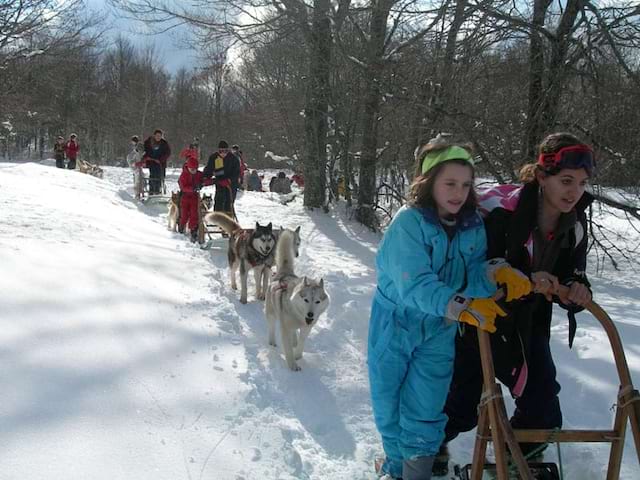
(493, 424)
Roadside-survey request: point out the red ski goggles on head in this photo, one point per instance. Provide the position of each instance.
(574, 157)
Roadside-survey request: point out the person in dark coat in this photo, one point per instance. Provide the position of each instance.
(156, 154)
(540, 228)
(254, 182)
(281, 184)
(71, 150)
(242, 168)
(223, 167)
(58, 152)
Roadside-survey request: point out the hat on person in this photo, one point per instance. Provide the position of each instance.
(235, 147)
(60, 137)
(73, 135)
(192, 163)
(223, 144)
(439, 156)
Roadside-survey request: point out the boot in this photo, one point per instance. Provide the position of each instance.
(180, 228)
(418, 468)
(441, 462)
(194, 236)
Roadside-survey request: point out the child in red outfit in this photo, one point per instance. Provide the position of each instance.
(190, 182)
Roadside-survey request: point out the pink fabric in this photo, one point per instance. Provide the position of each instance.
(499, 196)
(518, 388)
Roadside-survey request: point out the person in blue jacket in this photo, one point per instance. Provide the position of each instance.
(432, 275)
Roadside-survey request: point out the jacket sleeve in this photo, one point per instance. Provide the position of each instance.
(479, 283)
(575, 269)
(207, 172)
(406, 259)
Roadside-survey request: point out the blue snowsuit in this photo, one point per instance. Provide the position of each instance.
(411, 344)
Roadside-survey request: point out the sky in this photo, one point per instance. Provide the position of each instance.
(174, 57)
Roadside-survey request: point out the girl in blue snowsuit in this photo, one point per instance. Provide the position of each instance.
(432, 273)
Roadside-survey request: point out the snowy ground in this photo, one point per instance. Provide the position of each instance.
(125, 355)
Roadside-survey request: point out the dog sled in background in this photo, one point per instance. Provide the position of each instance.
(293, 303)
(89, 168)
(249, 249)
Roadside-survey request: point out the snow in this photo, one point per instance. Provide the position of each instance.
(126, 355)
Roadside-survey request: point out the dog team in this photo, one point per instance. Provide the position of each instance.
(292, 303)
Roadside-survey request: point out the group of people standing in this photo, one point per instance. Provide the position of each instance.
(439, 266)
(66, 150)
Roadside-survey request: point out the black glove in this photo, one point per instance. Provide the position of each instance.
(197, 187)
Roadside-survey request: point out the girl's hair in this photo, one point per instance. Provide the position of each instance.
(421, 189)
(550, 144)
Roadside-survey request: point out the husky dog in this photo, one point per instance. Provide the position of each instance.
(293, 302)
(91, 169)
(174, 212)
(206, 202)
(251, 248)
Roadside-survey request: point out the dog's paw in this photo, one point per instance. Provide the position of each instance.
(234, 287)
(262, 297)
(243, 301)
(297, 355)
(273, 343)
(295, 367)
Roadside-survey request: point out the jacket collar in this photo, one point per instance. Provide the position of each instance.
(467, 219)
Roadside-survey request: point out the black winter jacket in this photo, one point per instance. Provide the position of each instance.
(508, 233)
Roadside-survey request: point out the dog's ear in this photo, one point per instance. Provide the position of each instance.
(321, 284)
(305, 281)
(257, 225)
(270, 226)
(298, 230)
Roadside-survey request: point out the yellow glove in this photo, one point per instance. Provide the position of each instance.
(518, 285)
(479, 312)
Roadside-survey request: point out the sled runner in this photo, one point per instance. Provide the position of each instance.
(206, 231)
(156, 199)
(493, 424)
(540, 471)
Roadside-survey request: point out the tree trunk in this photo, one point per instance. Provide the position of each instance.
(316, 107)
(534, 128)
(365, 212)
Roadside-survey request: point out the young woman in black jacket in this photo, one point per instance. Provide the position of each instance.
(539, 228)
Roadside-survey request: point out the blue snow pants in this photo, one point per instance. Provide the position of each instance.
(410, 368)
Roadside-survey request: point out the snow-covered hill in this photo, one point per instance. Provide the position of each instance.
(124, 354)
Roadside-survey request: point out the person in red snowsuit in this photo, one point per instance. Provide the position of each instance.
(190, 182)
(190, 152)
(71, 150)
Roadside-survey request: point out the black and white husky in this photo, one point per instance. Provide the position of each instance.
(293, 302)
(249, 249)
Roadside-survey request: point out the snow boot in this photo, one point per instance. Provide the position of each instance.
(180, 228)
(441, 462)
(418, 468)
(194, 236)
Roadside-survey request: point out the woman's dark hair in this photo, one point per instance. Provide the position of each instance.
(157, 130)
(421, 189)
(550, 144)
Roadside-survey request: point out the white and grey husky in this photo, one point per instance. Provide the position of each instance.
(293, 302)
(249, 249)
